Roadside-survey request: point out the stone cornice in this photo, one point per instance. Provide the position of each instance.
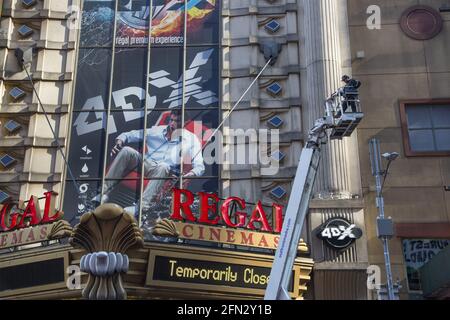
(40, 44)
(36, 13)
(30, 177)
(33, 108)
(253, 71)
(252, 40)
(37, 75)
(264, 104)
(31, 142)
(254, 10)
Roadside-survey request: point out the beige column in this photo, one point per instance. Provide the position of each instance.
(323, 32)
(326, 57)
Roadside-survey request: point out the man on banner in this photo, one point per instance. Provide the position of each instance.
(166, 146)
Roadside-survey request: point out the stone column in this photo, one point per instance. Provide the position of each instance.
(326, 57)
(323, 62)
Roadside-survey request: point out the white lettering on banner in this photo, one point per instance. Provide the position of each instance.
(120, 96)
(84, 127)
(418, 252)
(157, 79)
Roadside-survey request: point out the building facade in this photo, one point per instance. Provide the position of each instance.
(103, 73)
(405, 78)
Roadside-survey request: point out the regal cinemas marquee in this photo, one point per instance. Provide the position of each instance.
(175, 269)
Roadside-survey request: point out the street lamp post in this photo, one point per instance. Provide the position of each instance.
(385, 228)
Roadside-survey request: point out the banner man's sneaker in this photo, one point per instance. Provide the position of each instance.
(133, 210)
(100, 199)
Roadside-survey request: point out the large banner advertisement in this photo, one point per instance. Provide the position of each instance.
(164, 83)
(123, 171)
(113, 90)
(167, 23)
(132, 22)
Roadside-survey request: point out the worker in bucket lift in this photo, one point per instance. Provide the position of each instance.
(350, 93)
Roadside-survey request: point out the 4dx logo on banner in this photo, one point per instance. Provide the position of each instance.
(159, 79)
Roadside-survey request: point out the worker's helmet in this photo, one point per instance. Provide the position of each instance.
(345, 78)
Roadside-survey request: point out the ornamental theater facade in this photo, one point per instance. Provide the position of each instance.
(91, 122)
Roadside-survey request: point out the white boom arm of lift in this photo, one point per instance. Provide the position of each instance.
(337, 124)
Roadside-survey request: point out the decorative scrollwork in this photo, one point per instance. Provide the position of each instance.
(166, 228)
(59, 230)
(107, 234)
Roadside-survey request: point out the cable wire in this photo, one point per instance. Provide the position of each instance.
(385, 173)
(227, 116)
(51, 128)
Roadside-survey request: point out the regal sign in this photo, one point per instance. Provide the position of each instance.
(11, 217)
(209, 206)
(218, 222)
(31, 224)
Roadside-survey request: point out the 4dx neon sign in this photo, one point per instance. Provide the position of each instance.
(159, 79)
(339, 233)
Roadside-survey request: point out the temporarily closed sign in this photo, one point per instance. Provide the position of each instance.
(196, 270)
(209, 272)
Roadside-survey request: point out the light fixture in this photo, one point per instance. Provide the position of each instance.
(273, 26)
(12, 126)
(276, 121)
(390, 156)
(25, 31)
(278, 155)
(278, 192)
(360, 54)
(6, 160)
(274, 89)
(28, 3)
(4, 196)
(17, 93)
